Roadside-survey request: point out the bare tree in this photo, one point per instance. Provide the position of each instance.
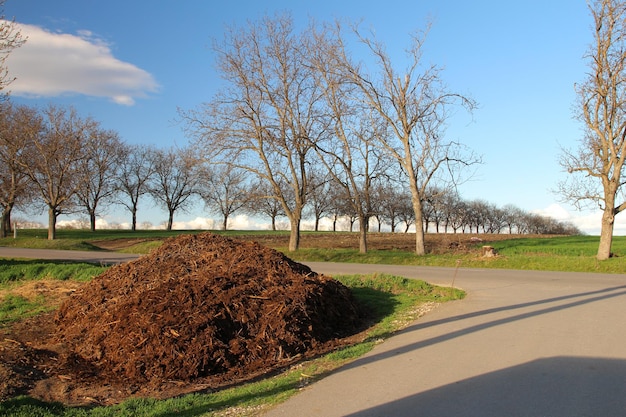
(456, 216)
(266, 118)
(512, 218)
(415, 106)
(348, 154)
(319, 199)
(10, 38)
(135, 170)
(19, 125)
(434, 207)
(598, 164)
(392, 206)
(175, 180)
(54, 168)
(224, 190)
(99, 169)
(262, 201)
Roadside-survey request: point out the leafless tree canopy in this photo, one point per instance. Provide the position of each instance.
(54, 169)
(414, 106)
(10, 38)
(99, 170)
(135, 171)
(224, 190)
(295, 99)
(597, 166)
(175, 180)
(19, 125)
(266, 117)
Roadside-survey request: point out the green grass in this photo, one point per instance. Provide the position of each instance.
(15, 272)
(18, 270)
(567, 254)
(391, 300)
(16, 307)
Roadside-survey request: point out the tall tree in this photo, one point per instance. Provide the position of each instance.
(136, 169)
(348, 153)
(265, 119)
(99, 169)
(19, 126)
(175, 180)
(415, 106)
(10, 38)
(54, 168)
(598, 163)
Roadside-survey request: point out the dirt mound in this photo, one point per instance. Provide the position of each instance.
(203, 306)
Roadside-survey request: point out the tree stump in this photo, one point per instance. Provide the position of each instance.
(489, 252)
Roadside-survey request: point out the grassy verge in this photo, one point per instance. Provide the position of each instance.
(567, 254)
(19, 300)
(394, 302)
(20, 270)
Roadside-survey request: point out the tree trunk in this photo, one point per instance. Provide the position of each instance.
(420, 247)
(606, 233)
(294, 236)
(5, 227)
(133, 226)
(52, 224)
(225, 222)
(92, 220)
(363, 234)
(170, 220)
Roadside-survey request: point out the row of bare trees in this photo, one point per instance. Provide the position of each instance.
(444, 211)
(295, 101)
(56, 160)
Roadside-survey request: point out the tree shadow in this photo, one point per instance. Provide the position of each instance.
(556, 387)
(578, 300)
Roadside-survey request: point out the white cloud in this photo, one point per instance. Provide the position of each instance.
(54, 64)
(199, 223)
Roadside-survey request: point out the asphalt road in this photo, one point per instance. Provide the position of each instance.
(522, 343)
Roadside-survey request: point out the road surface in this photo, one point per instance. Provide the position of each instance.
(522, 343)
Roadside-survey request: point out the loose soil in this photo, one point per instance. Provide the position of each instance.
(201, 312)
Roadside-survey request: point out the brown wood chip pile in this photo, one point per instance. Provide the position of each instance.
(203, 305)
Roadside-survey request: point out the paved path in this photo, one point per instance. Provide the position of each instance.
(67, 255)
(520, 344)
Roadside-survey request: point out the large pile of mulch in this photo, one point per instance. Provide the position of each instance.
(204, 305)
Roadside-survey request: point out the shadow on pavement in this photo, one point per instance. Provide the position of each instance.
(571, 301)
(555, 387)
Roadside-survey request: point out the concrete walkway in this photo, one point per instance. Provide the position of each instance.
(521, 344)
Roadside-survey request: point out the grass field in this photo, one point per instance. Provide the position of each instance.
(560, 253)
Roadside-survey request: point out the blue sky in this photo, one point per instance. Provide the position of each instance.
(518, 60)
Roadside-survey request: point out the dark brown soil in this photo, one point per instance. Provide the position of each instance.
(201, 312)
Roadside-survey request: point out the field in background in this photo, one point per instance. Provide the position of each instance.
(536, 252)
